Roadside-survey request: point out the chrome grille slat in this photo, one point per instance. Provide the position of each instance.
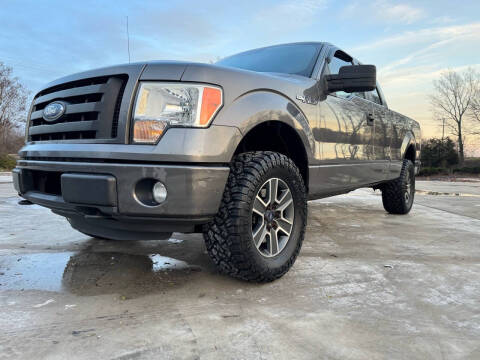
(83, 90)
(64, 127)
(72, 109)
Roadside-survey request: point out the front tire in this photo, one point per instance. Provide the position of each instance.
(398, 194)
(259, 229)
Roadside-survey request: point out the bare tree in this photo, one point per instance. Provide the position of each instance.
(454, 94)
(474, 112)
(13, 100)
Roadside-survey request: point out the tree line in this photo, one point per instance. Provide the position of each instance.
(13, 106)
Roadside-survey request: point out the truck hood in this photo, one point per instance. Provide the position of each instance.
(187, 71)
(180, 71)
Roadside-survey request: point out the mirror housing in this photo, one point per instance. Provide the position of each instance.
(354, 78)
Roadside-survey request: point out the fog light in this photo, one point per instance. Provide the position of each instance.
(159, 192)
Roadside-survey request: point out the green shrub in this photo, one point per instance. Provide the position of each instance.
(429, 171)
(468, 170)
(438, 153)
(7, 162)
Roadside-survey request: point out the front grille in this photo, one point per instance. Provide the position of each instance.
(92, 110)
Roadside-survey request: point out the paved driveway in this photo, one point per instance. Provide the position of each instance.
(367, 285)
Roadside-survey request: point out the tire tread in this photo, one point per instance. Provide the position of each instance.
(224, 236)
(393, 192)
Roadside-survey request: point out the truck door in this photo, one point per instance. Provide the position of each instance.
(346, 137)
(378, 118)
(382, 132)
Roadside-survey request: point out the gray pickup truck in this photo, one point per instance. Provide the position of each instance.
(233, 150)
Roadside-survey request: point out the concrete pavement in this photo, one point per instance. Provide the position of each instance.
(367, 285)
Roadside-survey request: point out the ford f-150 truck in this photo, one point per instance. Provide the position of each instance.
(233, 150)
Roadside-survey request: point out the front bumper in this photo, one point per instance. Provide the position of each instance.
(105, 192)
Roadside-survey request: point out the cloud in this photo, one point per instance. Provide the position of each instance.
(289, 15)
(413, 57)
(441, 20)
(418, 77)
(402, 13)
(422, 47)
(422, 35)
(384, 11)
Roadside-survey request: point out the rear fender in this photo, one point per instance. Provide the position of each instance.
(408, 140)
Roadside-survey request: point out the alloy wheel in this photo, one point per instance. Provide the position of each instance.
(272, 217)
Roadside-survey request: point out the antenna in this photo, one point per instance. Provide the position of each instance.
(128, 42)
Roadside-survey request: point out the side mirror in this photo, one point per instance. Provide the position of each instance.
(354, 78)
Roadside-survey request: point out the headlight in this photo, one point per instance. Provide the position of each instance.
(162, 105)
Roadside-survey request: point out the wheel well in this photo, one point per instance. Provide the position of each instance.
(410, 153)
(279, 137)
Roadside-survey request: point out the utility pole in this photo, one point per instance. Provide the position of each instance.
(128, 42)
(443, 128)
(442, 145)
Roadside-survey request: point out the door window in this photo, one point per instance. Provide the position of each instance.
(373, 96)
(334, 67)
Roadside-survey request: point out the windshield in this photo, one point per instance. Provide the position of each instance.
(298, 59)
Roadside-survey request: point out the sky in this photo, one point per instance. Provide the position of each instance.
(410, 42)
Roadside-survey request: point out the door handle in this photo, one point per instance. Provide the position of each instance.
(370, 119)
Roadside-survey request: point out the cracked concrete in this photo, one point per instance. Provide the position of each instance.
(367, 285)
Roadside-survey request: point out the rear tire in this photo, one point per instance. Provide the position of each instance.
(259, 229)
(398, 194)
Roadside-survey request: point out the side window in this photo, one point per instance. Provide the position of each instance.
(373, 96)
(334, 67)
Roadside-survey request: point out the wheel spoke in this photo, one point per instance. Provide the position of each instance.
(259, 206)
(259, 235)
(285, 201)
(272, 191)
(273, 242)
(285, 226)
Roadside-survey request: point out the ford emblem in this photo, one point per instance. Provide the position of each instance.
(54, 111)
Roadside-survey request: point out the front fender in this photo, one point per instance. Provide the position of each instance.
(254, 108)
